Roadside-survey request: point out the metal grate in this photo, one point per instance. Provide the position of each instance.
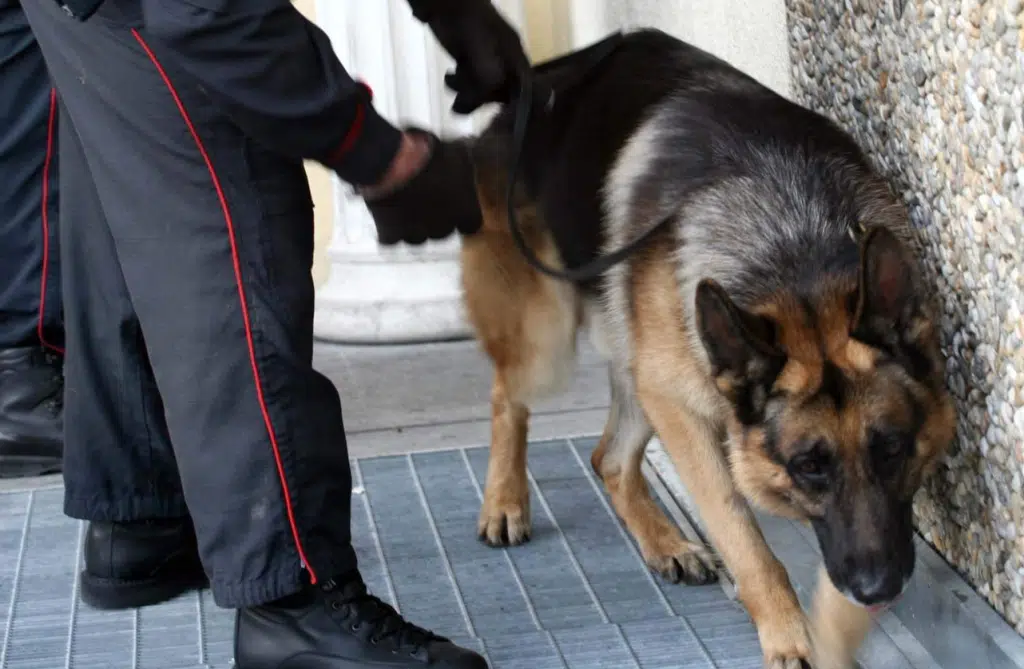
(578, 595)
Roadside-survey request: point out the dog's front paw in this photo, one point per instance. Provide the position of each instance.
(786, 643)
(504, 524)
(791, 662)
(798, 656)
(681, 561)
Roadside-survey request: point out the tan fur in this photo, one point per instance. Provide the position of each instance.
(661, 543)
(527, 325)
(689, 419)
(839, 626)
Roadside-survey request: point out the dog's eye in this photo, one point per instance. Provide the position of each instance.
(809, 466)
(813, 466)
(891, 445)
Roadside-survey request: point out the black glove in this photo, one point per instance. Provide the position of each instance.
(437, 201)
(488, 53)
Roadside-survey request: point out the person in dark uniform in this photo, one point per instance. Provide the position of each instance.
(200, 443)
(31, 332)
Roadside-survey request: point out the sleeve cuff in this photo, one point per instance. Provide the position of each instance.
(366, 151)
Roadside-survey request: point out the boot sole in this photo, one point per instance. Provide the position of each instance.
(110, 594)
(26, 466)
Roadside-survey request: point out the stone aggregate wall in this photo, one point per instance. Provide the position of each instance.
(934, 91)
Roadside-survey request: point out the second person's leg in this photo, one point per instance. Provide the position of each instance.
(31, 334)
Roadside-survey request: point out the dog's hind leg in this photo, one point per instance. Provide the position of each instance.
(526, 324)
(505, 514)
(617, 460)
(541, 366)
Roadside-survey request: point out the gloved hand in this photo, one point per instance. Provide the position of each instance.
(434, 202)
(488, 52)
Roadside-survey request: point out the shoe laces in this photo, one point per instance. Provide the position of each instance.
(355, 603)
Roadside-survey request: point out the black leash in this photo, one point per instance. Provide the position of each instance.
(524, 107)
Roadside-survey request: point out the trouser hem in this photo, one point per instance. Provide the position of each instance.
(288, 580)
(124, 510)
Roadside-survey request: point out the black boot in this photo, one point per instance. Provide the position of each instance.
(130, 565)
(340, 626)
(31, 412)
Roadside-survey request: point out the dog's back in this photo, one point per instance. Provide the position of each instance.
(658, 122)
(571, 147)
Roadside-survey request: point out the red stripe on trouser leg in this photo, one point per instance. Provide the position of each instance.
(241, 297)
(45, 217)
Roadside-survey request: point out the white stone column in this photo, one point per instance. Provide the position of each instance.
(398, 294)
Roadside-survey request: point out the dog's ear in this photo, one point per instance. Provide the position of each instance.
(891, 313)
(742, 349)
(889, 307)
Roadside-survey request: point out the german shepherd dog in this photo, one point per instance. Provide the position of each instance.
(774, 333)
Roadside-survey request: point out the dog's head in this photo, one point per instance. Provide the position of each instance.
(840, 410)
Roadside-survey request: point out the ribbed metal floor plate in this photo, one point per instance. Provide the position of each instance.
(576, 596)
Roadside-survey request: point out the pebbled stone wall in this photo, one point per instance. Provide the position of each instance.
(934, 89)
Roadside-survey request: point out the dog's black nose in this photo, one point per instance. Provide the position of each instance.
(875, 583)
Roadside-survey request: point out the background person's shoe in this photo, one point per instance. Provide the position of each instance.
(340, 626)
(31, 412)
(131, 565)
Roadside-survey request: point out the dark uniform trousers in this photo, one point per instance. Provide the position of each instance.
(30, 300)
(187, 250)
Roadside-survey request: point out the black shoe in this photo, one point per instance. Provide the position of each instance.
(130, 565)
(340, 626)
(31, 412)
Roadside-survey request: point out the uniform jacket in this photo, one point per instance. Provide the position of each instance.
(275, 74)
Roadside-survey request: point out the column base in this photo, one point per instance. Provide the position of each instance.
(374, 301)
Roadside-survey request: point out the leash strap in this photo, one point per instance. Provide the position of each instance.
(524, 107)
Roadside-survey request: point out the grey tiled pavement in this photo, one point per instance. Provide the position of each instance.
(576, 596)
